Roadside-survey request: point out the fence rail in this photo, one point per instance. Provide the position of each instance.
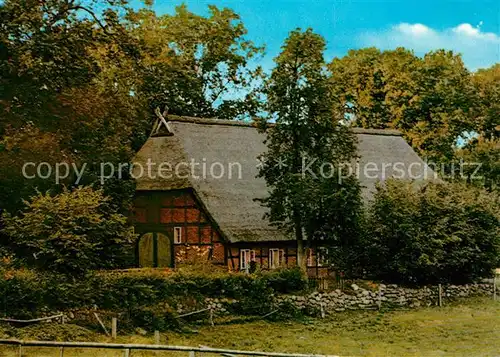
(129, 347)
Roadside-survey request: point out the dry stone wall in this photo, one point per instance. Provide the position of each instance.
(358, 298)
(387, 296)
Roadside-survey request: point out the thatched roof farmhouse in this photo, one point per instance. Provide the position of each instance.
(229, 202)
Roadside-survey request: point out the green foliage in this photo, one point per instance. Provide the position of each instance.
(159, 317)
(61, 99)
(437, 232)
(286, 281)
(194, 64)
(487, 84)
(483, 163)
(78, 82)
(72, 232)
(28, 293)
(23, 292)
(135, 288)
(485, 148)
(55, 332)
(430, 99)
(306, 146)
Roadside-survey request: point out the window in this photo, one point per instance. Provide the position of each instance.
(276, 257)
(177, 235)
(322, 256)
(246, 256)
(310, 261)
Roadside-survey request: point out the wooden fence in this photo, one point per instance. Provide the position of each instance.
(323, 283)
(128, 348)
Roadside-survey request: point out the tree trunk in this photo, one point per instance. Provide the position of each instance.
(301, 249)
(301, 256)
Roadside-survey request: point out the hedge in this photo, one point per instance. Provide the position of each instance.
(27, 293)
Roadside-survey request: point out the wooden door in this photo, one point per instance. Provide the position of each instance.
(155, 250)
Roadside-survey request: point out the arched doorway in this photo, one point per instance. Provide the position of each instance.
(155, 250)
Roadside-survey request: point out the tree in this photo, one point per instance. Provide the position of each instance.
(357, 82)
(63, 95)
(482, 150)
(47, 47)
(487, 85)
(306, 145)
(442, 110)
(195, 65)
(72, 232)
(481, 158)
(433, 233)
(84, 78)
(429, 99)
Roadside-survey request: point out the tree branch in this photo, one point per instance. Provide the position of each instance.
(80, 7)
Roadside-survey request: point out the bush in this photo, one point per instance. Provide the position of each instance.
(159, 317)
(433, 233)
(72, 232)
(55, 332)
(23, 293)
(286, 281)
(28, 293)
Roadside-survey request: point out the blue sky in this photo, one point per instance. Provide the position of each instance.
(469, 27)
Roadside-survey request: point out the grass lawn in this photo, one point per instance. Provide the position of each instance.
(469, 328)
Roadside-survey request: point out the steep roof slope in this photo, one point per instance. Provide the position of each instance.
(223, 157)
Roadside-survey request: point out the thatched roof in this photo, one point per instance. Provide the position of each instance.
(230, 200)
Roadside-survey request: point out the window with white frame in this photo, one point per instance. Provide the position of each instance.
(322, 256)
(276, 257)
(310, 260)
(246, 256)
(177, 235)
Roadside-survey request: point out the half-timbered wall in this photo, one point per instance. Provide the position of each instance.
(288, 258)
(165, 211)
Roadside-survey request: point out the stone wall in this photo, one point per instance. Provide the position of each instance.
(358, 298)
(386, 296)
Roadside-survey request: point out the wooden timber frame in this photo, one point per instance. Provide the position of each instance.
(161, 211)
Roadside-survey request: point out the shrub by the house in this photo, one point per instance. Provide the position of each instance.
(72, 232)
(432, 233)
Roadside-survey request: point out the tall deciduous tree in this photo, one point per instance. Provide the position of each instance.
(487, 85)
(306, 146)
(196, 65)
(482, 162)
(484, 149)
(430, 99)
(87, 74)
(59, 100)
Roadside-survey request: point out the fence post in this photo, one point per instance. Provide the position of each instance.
(157, 337)
(20, 350)
(61, 351)
(114, 325)
(495, 287)
(379, 302)
(211, 316)
(127, 352)
(192, 354)
(440, 295)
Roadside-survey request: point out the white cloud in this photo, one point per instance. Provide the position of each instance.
(479, 49)
(414, 30)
